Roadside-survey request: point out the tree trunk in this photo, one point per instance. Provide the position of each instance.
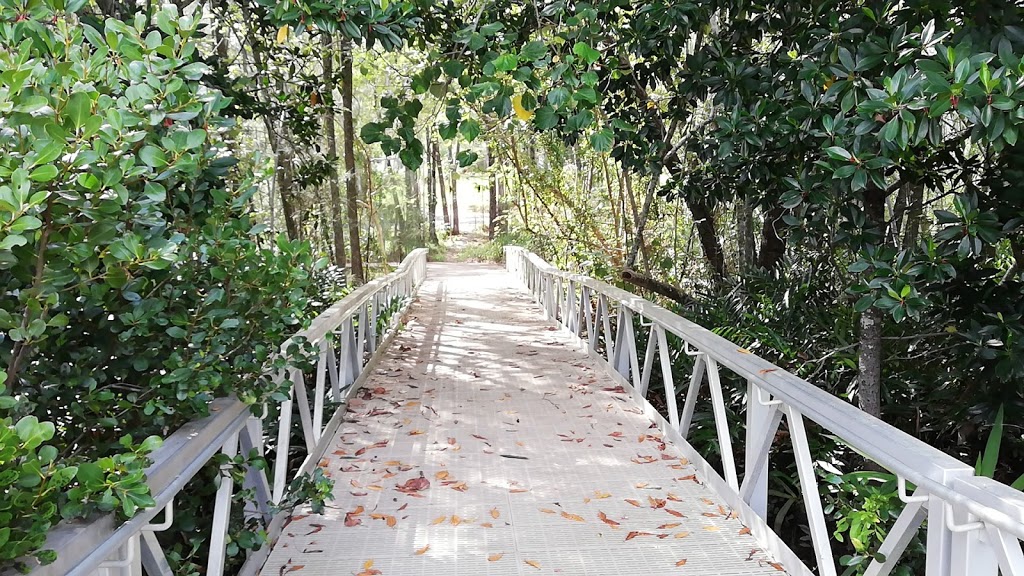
(431, 195)
(657, 286)
(869, 353)
(337, 224)
(492, 196)
(499, 193)
(773, 239)
(351, 190)
(455, 191)
(744, 234)
(915, 212)
(704, 222)
(439, 166)
(284, 187)
(869, 362)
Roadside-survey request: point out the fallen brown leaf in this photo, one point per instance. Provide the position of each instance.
(438, 520)
(634, 502)
(423, 550)
(681, 562)
(675, 513)
(443, 474)
(495, 557)
(682, 534)
(667, 526)
(604, 518)
(574, 517)
(413, 485)
(744, 530)
(533, 563)
(495, 513)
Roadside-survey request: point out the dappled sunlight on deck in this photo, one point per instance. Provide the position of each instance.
(487, 443)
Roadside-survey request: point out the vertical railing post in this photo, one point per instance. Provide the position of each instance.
(371, 329)
(821, 539)
(222, 512)
(319, 390)
(284, 433)
(757, 423)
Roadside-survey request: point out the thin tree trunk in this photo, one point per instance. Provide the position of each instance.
(455, 191)
(639, 223)
(499, 186)
(431, 194)
(284, 187)
(704, 222)
(773, 239)
(869, 354)
(915, 212)
(439, 166)
(611, 198)
(492, 195)
(744, 234)
(337, 223)
(351, 190)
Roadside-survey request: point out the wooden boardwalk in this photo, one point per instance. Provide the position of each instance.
(486, 443)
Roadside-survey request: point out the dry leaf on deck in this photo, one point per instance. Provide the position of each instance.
(495, 513)
(604, 518)
(533, 563)
(495, 557)
(413, 485)
(681, 563)
(423, 550)
(575, 517)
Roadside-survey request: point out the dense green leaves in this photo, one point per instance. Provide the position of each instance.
(136, 288)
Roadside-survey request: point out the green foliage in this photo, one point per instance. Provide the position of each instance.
(492, 250)
(313, 488)
(137, 286)
(864, 505)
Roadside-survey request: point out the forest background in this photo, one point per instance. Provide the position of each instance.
(837, 186)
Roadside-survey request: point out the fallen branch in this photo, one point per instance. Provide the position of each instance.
(657, 286)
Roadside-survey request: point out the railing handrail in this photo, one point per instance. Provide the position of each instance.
(82, 545)
(933, 471)
(351, 302)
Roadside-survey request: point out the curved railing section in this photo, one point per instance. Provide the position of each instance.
(974, 525)
(348, 336)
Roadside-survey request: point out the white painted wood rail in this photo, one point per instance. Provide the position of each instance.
(974, 525)
(347, 335)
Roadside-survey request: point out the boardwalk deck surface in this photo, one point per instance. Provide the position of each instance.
(485, 443)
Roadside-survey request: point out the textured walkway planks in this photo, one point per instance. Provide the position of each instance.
(487, 444)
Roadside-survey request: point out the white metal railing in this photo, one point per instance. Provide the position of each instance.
(106, 547)
(974, 524)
